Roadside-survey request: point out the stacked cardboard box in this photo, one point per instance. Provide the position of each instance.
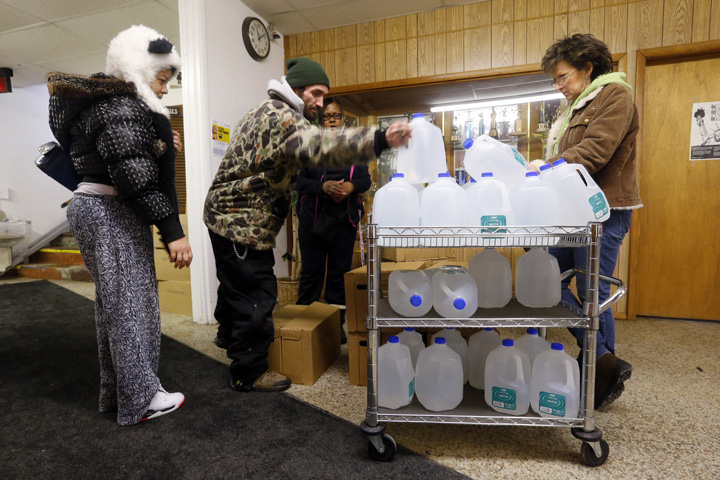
(306, 341)
(173, 283)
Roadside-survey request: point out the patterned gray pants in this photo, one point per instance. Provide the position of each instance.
(117, 250)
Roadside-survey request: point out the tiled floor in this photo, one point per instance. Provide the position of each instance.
(665, 426)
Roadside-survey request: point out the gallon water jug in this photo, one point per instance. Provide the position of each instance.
(480, 345)
(493, 277)
(414, 342)
(485, 154)
(424, 157)
(532, 344)
(534, 202)
(439, 377)
(469, 183)
(443, 203)
(580, 197)
(410, 292)
(489, 203)
(457, 342)
(454, 294)
(396, 204)
(396, 376)
(537, 279)
(555, 384)
(507, 380)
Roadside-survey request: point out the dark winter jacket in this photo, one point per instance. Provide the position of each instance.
(312, 200)
(115, 139)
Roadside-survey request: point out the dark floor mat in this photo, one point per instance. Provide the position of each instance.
(51, 427)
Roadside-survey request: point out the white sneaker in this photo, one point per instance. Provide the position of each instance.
(162, 403)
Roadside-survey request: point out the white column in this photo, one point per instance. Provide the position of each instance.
(193, 42)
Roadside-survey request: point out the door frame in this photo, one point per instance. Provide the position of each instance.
(645, 57)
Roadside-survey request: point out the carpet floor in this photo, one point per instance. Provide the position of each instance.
(51, 428)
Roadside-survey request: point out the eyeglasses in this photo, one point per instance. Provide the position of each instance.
(336, 116)
(562, 79)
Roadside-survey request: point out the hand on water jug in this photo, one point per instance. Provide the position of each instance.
(535, 165)
(398, 135)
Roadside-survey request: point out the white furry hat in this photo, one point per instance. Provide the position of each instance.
(137, 55)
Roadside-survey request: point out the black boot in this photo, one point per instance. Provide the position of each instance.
(611, 373)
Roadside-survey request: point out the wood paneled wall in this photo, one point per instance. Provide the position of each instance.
(495, 33)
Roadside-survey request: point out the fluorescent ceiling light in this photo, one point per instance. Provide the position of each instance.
(499, 103)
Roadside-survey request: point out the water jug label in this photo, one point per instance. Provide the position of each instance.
(504, 398)
(411, 388)
(552, 404)
(493, 221)
(521, 160)
(599, 205)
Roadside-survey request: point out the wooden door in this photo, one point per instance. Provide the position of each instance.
(675, 271)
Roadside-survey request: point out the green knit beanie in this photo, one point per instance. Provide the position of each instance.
(302, 72)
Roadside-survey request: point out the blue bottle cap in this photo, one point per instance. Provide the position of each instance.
(559, 161)
(439, 340)
(442, 175)
(459, 303)
(472, 180)
(488, 329)
(393, 339)
(409, 329)
(508, 343)
(398, 175)
(532, 331)
(449, 328)
(468, 143)
(486, 174)
(531, 174)
(418, 115)
(557, 346)
(547, 166)
(416, 300)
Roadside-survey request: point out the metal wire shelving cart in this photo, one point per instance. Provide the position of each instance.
(473, 410)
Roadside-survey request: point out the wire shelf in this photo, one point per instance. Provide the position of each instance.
(472, 411)
(512, 315)
(492, 237)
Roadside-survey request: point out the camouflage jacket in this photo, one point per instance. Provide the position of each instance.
(250, 196)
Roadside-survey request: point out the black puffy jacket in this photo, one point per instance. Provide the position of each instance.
(114, 138)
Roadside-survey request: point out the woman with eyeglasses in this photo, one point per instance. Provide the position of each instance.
(598, 130)
(329, 212)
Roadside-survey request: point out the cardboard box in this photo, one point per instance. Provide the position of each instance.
(307, 341)
(412, 254)
(175, 297)
(357, 354)
(356, 291)
(164, 270)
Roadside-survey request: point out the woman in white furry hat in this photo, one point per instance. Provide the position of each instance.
(120, 138)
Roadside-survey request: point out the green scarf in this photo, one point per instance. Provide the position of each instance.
(600, 81)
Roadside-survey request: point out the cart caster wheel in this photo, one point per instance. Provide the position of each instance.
(390, 449)
(589, 456)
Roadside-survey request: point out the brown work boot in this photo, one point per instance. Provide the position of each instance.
(267, 382)
(610, 376)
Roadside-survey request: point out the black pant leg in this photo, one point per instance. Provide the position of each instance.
(248, 294)
(340, 256)
(312, 274)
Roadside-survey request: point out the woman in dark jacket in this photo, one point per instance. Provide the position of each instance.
(598, 130)
(329, 212)
(119, 136)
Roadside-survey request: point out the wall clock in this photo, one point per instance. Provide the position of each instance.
(256, 38)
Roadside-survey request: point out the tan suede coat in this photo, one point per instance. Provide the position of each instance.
(601, 136)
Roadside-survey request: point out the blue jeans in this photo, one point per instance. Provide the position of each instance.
(614, 230)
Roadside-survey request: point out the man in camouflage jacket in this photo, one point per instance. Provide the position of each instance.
(249, 200)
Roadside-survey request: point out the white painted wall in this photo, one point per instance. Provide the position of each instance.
(24, 126)
(221, 83)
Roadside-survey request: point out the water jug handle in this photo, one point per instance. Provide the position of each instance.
(518, 368)
(568, 374)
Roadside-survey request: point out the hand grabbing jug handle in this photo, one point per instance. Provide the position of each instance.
(398, 135)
